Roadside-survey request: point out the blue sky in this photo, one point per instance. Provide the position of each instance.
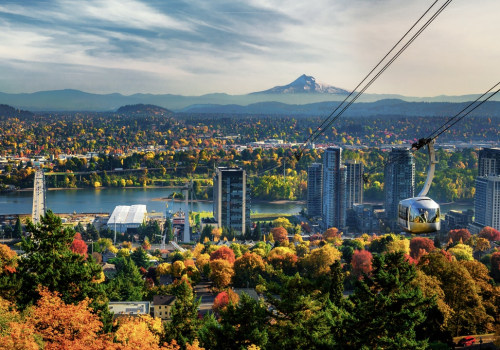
(196, 47)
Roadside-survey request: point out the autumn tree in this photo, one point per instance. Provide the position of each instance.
(461, 252)
(459, 234)
(318, 262)
(79, 246)
(331, 234)
(420, 246)
(223, 299)
(361, 263)
(247, 269)
(280, 234)
(141, 332)
(221, 273)
(224, 253)
(490, 234)
(283, 259)
(282, 222)
(67, 326)
(461, 294)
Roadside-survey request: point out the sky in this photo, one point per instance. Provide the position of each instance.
(195, 47)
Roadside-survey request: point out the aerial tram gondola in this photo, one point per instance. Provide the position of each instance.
(421, 214)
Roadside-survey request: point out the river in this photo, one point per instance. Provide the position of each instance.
(105, 200)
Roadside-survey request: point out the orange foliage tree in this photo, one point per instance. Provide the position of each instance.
(8, 260)
(361, 263)
(280, 234)
(247, 269)
(224, 253)
(331, 233)
(67, 326)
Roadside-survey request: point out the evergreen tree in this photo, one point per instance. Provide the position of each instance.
(81, 230)
(240, 326)
(185, 323)
(257, 232)
(168, 231)
(92, 232)
(49, 262)
(140, 258)
(128, 285)
(18, 229)
(437, 242)
(386, 308)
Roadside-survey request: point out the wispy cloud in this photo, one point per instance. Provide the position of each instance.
(199, 46)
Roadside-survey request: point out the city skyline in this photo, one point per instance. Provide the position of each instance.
(194, 48)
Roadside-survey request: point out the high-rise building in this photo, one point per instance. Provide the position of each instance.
(354, 183)
(399, 178)
(314, 189)
(487, 201)
(489, 162)
(334, 179)
(231, 199)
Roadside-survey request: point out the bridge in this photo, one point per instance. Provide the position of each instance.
(38, 197)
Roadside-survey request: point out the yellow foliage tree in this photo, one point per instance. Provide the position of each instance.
(221, 273)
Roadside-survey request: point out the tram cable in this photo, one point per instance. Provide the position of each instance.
(329, 120)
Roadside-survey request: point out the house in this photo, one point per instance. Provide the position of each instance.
(162, 304)
(129, 308)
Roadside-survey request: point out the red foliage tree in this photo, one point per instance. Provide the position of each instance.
(490, 234)
(224, 253)
(495, 266)
(223, 299)
(461, 233)
(420, 246)
(79, 246)
(361, 263)
(280, 234)
(305, 227)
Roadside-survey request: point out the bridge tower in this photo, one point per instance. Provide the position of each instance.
(38, 197)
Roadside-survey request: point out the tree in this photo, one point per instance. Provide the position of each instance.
(459, 234)
(461, 293)
(221, 273)
(78, 245)
(386, 308)
(223, 299)
(257, 232)
(224, 253)
(331, 234)
(184, 324)
(140, 258)
(420, 246)
(240, 325)
(141, 332)
(361, 263)
(283, 259)
(247, 270)
(18, 229)
(318, 262)
(206, 233)
(49, 262)
(92, 232)
(461, 252)
(282, 222)
(482, 245)
(280, 234)
(67, 326)
(489, 233)
(128, 284)
(495, 266)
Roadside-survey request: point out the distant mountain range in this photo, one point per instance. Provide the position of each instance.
(302, 91)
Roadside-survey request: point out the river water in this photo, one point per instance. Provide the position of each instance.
(105, 200)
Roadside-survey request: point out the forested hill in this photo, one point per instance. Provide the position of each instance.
(7, 111)
(388, 107)
(143, 109)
